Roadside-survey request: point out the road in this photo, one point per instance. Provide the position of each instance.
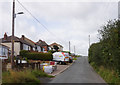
(79, 72)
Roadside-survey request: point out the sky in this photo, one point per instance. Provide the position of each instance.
(63, 20)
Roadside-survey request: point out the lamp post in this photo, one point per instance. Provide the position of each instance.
(13, 15)
(12, 40)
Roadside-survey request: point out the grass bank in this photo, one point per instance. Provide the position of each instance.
(110, 76)
(25, 77)
(74, 58)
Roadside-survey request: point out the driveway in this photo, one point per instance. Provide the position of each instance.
(79, 72)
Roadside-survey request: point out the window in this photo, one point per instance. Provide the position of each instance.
(25, 47)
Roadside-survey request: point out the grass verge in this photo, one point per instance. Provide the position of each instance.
(25, 77)
(110, 76)
(74, 58)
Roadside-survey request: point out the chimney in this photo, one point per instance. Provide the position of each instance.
(5, 36)
(40, 41)
(23, 37)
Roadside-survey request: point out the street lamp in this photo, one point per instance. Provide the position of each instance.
(12, 40)
(18, 13)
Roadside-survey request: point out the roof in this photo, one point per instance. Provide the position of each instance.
(28, 41)
(5, 46)
(42, 43)
(16, 39)
(55, 44)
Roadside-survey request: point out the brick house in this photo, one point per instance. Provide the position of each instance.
(19, 44)
(44, 45)
(36, 46)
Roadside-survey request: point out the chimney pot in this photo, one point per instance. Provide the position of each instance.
(23, 37)
(5, 36)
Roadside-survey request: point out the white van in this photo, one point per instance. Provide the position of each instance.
(60, 57)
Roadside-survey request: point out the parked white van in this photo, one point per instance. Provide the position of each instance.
(60, 57)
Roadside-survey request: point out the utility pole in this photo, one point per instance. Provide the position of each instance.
(74, 49)
(69, 46)
(119, 10)
(89, 41)
(12, 40)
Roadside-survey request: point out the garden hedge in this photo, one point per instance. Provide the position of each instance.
(36, 55)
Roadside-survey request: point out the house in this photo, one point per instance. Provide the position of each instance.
(35, 46)
(4, 51)
(19, 44)
(44, 45)
(59, 46)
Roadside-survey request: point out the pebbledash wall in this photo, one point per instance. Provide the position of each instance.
(16, 47)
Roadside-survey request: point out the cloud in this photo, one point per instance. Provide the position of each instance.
(65, 21)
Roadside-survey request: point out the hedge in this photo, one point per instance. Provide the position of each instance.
(36, 55)
(106, 52)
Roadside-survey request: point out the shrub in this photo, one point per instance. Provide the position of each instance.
(36, 55)
(23, 53)
(106, 52)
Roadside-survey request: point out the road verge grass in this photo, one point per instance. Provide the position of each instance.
(25, 77)
(110, 76)
(74, 58)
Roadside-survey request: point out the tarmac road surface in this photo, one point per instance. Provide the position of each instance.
(79, 72)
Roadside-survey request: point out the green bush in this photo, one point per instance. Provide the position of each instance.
(23, 53)
(36, 55)
(106, 52)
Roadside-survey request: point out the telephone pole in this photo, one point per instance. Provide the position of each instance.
(69, 46)
(12, 40)
(74, 49)
(89, 41)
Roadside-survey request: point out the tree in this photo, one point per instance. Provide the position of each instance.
(107, 51)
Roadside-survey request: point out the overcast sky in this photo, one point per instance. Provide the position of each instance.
(65, 21)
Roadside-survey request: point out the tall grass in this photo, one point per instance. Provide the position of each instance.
(74, 58)
(25, 76)
(39, 73)
(110, 76)
(19, 77)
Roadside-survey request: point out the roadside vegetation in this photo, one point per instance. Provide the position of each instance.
(36, 55)
(104, 56)
(24, 77)
(74, 58)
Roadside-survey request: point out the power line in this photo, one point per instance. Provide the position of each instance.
(61, 40)
(38, 20)
(33, 16)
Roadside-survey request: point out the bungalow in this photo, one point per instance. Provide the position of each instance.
(44, 45)
(4, 52)
(60, 46)
(19, 44)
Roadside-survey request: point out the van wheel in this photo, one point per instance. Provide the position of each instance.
(61, 63)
